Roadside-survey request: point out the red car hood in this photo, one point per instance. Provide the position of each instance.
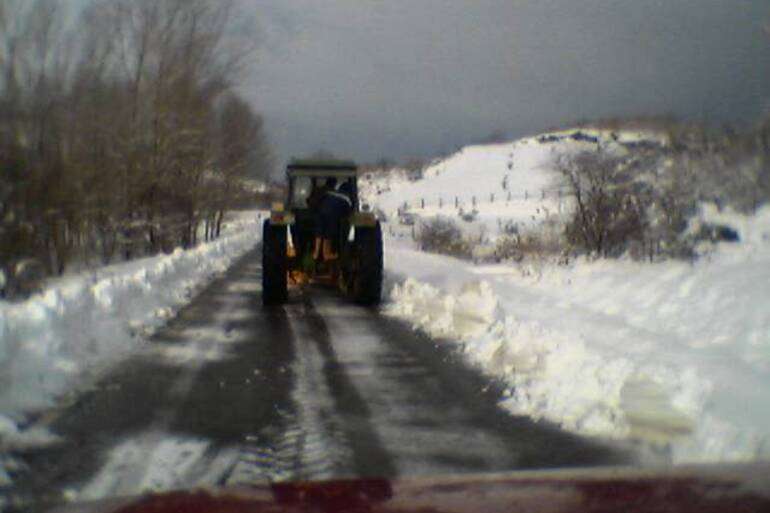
(718, 489)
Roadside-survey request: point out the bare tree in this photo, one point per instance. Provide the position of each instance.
(111, 134)
(243, 151)
(176, 62)
(608, 211)
(35, 60)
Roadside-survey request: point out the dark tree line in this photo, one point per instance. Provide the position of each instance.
(121, 131)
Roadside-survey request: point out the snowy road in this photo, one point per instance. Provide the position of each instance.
(231, 393)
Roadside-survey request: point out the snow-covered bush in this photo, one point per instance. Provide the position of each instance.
(442, 235)
(508, 248)
(545, 243)
(484, 253)
(469, 216)
(640, 199)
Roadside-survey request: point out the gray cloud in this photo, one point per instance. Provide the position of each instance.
(399, 78)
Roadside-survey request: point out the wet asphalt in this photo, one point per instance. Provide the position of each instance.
(231, 393)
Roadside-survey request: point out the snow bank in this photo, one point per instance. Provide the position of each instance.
(671, 354)
(78, 323)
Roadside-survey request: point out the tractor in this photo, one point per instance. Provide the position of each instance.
(291, 255)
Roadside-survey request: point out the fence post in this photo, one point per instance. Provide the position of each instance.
(542, 194)
(473, 201)
(422, 203)
(492, 198)
(440, 202)
(457, 202)
(509, 196)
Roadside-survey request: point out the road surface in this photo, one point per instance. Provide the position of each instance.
(231, 393)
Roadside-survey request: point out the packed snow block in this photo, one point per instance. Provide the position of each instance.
(475, 309)
(461, 316)
(650, 414)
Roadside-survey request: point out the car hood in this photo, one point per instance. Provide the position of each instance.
(702, 489)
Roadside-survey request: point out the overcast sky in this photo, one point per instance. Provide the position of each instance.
(398, 78)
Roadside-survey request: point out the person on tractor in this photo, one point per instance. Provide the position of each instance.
(317, 193)
(314, 201)
(334, 206)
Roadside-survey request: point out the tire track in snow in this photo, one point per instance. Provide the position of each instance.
(328, 435)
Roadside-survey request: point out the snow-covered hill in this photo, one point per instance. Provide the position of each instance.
(500, 185)
(498, 181)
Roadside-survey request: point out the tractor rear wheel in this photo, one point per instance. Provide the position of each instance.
(274, 264)
(367, 280)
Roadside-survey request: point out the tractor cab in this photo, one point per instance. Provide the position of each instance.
(309, 181)
(306, 176)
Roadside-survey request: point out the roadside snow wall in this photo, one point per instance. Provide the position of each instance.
(83, 322)
(673, 355)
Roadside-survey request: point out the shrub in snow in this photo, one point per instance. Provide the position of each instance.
(509, 228)
(468, 217)
(542, 245)
(442, 235)
(508, 248)
(482, 253)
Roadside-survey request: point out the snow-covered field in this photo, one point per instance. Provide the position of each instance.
(673, 355)
(81, 323)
